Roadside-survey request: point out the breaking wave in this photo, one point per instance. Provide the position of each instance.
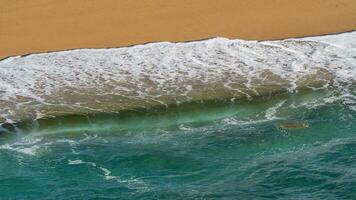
(164, 74)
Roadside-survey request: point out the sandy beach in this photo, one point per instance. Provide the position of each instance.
(51, 25)
(177, 99)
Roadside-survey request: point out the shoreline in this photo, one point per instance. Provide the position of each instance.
(170, 73)
(174, 42)
(49, 26)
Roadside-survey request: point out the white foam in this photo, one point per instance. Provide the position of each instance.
(271, 112)
(107, 174)
(79, 162)
(163, 73)
(24, 150)
(27, 146)
(75, 162)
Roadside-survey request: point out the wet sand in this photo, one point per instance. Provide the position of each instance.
(51, 25)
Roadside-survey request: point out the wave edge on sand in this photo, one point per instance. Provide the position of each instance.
(161, 74)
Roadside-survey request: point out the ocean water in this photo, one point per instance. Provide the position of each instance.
(214, 119)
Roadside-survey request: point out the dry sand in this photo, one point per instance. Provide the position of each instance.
(28, 26)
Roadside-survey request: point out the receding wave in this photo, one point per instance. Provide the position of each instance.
(164, 74)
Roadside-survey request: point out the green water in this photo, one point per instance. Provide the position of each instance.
(202, 150)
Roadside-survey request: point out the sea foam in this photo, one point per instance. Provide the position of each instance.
(164, 73)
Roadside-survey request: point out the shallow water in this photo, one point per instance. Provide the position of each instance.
(285, 133)
(222, 150)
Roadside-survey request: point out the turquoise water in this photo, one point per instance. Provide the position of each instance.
(212, 150)
(212, 119)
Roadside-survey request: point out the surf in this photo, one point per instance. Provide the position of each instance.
(89, 81)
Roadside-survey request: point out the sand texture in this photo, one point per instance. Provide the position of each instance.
(51, 25)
